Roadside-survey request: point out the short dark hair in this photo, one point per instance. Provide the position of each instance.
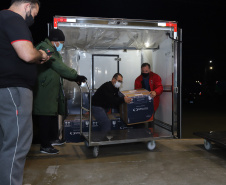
(146, 64)
(116, 75)
(33, 2)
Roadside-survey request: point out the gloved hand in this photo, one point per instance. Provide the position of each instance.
(80, 79)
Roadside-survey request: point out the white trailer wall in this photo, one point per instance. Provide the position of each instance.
(163, 65)
(129, 66)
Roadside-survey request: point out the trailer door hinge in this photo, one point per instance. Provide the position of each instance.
(176, 89)
(118, 59)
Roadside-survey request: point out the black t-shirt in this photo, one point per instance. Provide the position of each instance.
(107, 96)
(14, 72)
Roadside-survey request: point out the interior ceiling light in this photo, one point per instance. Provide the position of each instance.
(147, 44)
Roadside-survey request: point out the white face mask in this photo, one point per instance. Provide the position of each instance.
(117, 84)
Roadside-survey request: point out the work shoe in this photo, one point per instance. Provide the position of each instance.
(49, 150)
(58, 142)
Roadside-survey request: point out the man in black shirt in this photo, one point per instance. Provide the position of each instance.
(107, 97)
(18, 59)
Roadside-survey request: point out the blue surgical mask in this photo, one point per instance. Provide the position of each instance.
(59, 48)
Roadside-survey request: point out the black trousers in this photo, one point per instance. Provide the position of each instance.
(48, 129)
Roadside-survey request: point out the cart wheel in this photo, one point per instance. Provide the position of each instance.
(86, 143)
(151, 145)
(207, 145)
(95, 151)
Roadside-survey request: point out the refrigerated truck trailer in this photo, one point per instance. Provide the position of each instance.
(99, 47)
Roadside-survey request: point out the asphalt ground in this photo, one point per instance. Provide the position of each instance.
(208, 114)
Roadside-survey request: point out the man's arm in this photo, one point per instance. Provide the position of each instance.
(158, 88)
(62, 69)
(137, 83)
(127, 99)
(28, 53)
(113, 100)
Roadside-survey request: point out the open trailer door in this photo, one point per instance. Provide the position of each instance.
(131, 43)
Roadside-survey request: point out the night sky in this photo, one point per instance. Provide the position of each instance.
(202, 22)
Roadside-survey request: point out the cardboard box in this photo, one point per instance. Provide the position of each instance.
(140, 110)
(116, 122)
(72, 127)
(120, 125)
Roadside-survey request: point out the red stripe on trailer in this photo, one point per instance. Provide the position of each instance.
(55, 23)
(59, 19)
(170, 24)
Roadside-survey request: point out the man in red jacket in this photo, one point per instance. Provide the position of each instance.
(151, 82)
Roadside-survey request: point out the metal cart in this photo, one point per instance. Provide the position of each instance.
(98, 138)
(217, 137)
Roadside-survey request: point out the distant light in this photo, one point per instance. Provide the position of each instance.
(211, 68)
(200, 93)
(211, 61)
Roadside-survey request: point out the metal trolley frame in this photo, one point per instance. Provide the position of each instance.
(121, 136)
(217, 137)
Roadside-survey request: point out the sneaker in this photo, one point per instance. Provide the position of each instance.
(49, 150)
(58, 142)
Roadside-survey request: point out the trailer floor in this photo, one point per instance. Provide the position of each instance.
(174, 161)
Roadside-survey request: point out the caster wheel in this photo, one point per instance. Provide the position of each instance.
(151, 145)
(95, 151)
(207, 145)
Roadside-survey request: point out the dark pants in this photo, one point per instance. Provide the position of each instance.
(101, 117)
(48, 129)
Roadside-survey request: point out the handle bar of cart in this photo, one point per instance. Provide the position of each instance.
(88, 110)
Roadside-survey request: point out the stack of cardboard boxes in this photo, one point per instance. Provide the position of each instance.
(72, 126)
(140, 110)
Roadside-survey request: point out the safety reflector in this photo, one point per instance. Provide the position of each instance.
(62, 19)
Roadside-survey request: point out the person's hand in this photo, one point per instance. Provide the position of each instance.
(79, 79)
(127, 99)
(45, 57)
(153, 94)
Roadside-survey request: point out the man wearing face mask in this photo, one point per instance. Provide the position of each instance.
(49, 100)
(18, 59)
(107, 97)
(151, 82)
